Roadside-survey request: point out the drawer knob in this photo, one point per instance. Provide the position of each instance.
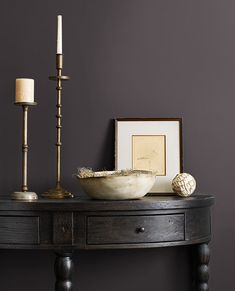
(140, 229)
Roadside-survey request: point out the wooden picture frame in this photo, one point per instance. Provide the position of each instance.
(154, 144)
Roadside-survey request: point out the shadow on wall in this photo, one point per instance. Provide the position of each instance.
(106, 159)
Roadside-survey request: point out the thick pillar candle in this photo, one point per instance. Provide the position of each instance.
(59, 34)
(24, 90)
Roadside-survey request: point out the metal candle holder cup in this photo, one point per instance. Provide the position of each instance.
(25, 194)
(58, 192)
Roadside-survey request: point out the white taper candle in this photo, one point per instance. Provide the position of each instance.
(59, 34)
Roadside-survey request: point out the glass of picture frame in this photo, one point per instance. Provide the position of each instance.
(153, 144)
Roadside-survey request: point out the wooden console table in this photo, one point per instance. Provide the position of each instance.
(83, 224)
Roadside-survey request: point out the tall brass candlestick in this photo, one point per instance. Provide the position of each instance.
(58, 192)
(24, 194)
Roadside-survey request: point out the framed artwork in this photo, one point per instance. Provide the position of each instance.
(153, 144)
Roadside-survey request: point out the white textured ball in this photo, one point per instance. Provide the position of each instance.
(184, 184)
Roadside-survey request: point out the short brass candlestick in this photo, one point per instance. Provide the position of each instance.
(58, 192)
(25, 194)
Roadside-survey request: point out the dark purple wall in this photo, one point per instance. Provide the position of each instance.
(127, 58)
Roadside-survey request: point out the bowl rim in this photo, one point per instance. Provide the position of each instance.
(118, 174)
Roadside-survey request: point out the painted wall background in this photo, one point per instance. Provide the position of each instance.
(127, 58)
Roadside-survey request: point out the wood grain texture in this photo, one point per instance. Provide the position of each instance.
(135, 229)
(67, 225)
(198, 223)
(19, 230)
(63, 228)
(86, 204)
(91, 224)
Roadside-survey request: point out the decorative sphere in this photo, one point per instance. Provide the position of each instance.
(184, 184)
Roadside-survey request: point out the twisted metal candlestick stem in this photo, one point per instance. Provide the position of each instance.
(58, 192)
(58, 126)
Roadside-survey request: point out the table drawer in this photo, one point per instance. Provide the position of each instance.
(134, 229)
(19, 230)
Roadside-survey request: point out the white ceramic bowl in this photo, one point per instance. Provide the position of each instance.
(110, 185)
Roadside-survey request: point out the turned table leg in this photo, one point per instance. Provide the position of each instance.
(202, 268)
(63, 272)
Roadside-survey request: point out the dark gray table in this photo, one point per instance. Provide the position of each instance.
(83, 224)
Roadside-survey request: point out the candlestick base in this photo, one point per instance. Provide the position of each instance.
(57, 193)
(29, 196)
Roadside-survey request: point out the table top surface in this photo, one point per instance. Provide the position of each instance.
(154, 202)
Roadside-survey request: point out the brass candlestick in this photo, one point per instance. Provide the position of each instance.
(58, 192)
(25, 194)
